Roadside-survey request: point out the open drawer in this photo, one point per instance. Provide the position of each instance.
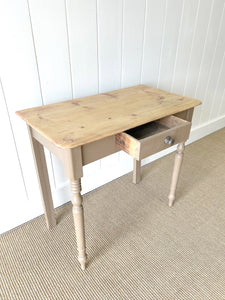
(153, 137)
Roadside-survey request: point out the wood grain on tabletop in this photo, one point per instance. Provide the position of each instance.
(73, 123)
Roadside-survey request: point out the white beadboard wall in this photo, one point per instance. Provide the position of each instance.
(54, 50)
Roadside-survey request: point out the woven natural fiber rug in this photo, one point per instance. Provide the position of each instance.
(138, 247)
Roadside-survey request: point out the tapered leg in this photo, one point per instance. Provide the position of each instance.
(176, 172)
(137, 171)
(43, 179)
(78, 215)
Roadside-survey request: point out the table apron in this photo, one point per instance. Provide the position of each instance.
(94, 150)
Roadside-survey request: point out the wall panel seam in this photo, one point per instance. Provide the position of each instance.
(217, 83)
(222, 98)
(97, 42)
(122, 45)
(14, 141)
(35, 52)
(143, 42)
(214, 55)
(204, 47)
(162, 43)
(97, 50)
(178, 45)
(220, 71)
(39, 78)
(69, 47)
(192, 45)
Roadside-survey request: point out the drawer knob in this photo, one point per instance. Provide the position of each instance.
(168, 140)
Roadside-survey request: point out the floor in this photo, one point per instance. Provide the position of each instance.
(138, 247)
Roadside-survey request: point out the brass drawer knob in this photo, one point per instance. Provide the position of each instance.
(168, 140)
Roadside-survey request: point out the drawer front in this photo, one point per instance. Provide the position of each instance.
(153, 141)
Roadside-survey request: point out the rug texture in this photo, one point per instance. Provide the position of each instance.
(138, 247)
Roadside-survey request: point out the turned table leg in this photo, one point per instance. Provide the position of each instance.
(78, 215)
(74, 171)
(176, 172)
(137, 171)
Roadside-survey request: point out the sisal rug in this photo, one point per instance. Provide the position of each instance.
(138, 247)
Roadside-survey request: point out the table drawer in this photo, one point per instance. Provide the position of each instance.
(153, 137)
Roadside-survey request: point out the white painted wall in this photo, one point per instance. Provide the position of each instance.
(54, 50)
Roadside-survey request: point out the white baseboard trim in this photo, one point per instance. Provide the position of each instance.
(207, 128)
(125, 164)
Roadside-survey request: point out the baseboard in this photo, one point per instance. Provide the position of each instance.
(207, 128)
(125, 163)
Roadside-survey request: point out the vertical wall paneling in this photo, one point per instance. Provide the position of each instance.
(61, 49)
(82, 33)
(133, 34)
(49, 30)
(48, 19)
(109, 44)
(199, 44)
(215, 83)
(12, 185)
(184, 45)
(81, 19)
(207, 55)
(155, 16)
(110, 18)
(172, 27)
(218, 96)
(222, 105)
(18, 71)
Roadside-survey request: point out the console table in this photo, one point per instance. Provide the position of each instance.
(139, 120)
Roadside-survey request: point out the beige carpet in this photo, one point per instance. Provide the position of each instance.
(138, 247)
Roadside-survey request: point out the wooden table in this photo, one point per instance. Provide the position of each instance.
(83, 130)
